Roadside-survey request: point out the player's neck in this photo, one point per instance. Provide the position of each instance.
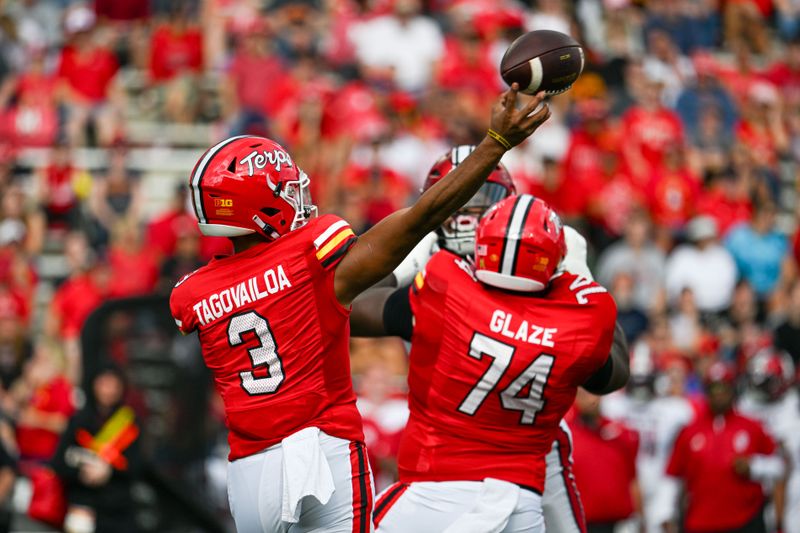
(240, 244)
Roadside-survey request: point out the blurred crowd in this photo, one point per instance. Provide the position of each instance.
(675, 154)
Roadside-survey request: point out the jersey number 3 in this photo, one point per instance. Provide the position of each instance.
(265, 354)
(501, 353)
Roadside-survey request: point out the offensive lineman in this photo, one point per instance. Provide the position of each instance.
(493, 368)
(563, 511)
(272, 321)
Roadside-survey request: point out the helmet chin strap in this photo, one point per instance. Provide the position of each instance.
(268, 230)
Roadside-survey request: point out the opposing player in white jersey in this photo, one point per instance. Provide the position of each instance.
(770, 399)
(561, 504)
(658, 420)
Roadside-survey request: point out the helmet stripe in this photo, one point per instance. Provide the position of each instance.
(514, 232)
(460, 153)
(197, 193)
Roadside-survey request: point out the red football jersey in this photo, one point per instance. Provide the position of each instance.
(275, 336)
(493, 372)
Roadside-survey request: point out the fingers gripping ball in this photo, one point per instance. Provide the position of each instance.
(543, 60)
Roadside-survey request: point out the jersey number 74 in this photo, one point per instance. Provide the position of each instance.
(501, 353)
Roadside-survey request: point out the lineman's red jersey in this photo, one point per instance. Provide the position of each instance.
(492, 372)
(275, 336)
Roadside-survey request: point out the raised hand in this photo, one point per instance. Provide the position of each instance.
(515, 125)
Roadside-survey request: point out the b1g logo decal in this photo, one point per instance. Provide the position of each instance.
(258, 160)
(223, 202)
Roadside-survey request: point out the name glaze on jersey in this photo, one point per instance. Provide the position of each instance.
(502, 323)
(226, 301)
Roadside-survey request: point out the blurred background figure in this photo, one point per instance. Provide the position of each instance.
(722, 458)
(605, 453)
(648, 407)
(98, 459)
(703, 266)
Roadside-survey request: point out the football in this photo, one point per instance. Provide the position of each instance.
(542, 60)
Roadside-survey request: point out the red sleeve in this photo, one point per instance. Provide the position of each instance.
(676, 466)
(181, 307)
(763, 443)
(597, 314)
(333, 237)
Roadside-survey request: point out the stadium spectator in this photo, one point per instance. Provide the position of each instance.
(133, 265)
(721, 458)
(761, 127)
(666, 61)
(604, 453)
(703, 95)
(41, 401)
(86, 287)
(176, 59)
(657, 416)
(759, 250)
(115, 196)
(29, 104)
(87, 70)
(58, 187)
(15, 343)
(672, 190)
(649, 128)
(248, 91)
(632, 319)
(703, 266)
(745, 23)
(98, 458)
(636, 255)
(404, 45)
(787, 334)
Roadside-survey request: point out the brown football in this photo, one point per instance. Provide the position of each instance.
(542, 60)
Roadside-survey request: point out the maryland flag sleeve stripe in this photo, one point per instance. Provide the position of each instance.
(334, 257)
(325, 235)
(333, 245)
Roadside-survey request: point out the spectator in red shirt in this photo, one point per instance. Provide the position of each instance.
(468, 63)
(56, 189)
(81, 293)
(721, 458)
(134, 268)
(604, 452)
(248, 90)
(648, 128)
(176, 59)
(673, 190)
(42, 401)
(32, 120)
(785, 74)
(87, 71)
(762, 133)
(726, 198)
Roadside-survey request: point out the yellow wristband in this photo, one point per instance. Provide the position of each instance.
(499, 138)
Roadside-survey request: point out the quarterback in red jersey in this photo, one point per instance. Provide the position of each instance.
(498, 351)
(272, 320)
